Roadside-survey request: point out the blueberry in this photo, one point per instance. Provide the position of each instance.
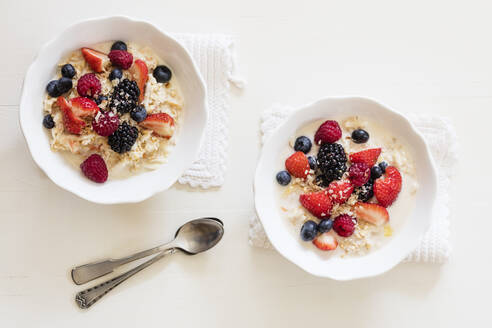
(360, 136)
(313, 164)
(138, 113)
(64, 85)
(383, 166)
(283, 178)
(100, 99)
(309, 230)
(116, 74)
(119, 45)
(325, 225)
(68, 70)
(52, 89)
(376, 172)
(48, 122)
(162, 74)
(302, 144)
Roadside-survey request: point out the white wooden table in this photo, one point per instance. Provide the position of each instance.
(415, 56)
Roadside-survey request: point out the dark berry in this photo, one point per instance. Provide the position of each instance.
(68, 70)
(322, 181)
(123, 138)
(162, 74)
(283, 178)
(138, 114)
(100, 99)
(325, 225)
(309, 230)
(365, 192)
(302, 144)
(64, 85)
(119, 45)
(48, 121)
(383, 166)
(116, 74)
(125, 96)
(360, 136)
(332, 161)
(376, 172)
(52, 89)
(313, 164)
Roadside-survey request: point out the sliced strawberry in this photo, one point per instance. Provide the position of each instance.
(326, 242)
(161, 123)
(373, 213)
(95, 59)
(84, 107)
(72, 123)
(317, 203)
(298, 165)
(368, 156)
(386, 190)
(340, 191)
(140, 73)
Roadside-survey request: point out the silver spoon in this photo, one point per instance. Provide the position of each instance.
(193, 237)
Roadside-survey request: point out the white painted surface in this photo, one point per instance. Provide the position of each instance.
(416, 56)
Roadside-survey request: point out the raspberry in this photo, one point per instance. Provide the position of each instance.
(359, 174)
(328, 132)
(344, 225)
(95, 168)
(88, 85)
(105, 124)
(121, 58)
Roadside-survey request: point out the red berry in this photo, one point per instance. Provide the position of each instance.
(95, 168)
(328, 132)
(105, 124)
(88, 85)
(340, 191)
(359, 174)
(387, 190)
(298, 165)
(317, 203)
(326, 242)
(344, 225)
(368, 156)
(373, 213)
(121, 58)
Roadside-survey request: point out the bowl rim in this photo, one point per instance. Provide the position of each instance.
(269, 227)
(149, 192)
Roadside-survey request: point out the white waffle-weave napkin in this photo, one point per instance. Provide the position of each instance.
(441, 137)
(215, 58)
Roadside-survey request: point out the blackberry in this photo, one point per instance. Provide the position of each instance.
(332, 161)
(365, 192)
(125, 96)
(123, 138)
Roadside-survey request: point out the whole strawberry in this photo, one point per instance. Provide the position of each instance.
(298, 165)
(328, 132)
(105, 124)
(317, 203)
(95, 168)
(121, 58)
(88, 85)
(386, 190)
(359, 174)
(344, 225)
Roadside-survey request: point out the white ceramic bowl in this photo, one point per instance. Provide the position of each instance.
(292, 248)
(138, 187)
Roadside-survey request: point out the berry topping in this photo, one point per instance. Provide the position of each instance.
(125, 96)
(106, 124)
(138, 114)
(95, 168)
(121, 58)
(140, 74)
(359, 174)
(64, 85)
(332, 161)
(325, 225)
(48, 121)
(116, 73)
(52, 89)
(95, 59)
(303, 144)
(71, 122)
(386, 190)
(283, 178)
(344, 225)
(328, 132)
(297, 165)
(317, 203)
(383, 166)
(68, 70)
(309, 230)
(368, 156)
(372, 213)
(100, 99)
(161, 123)
(84, 107)
(365, 192)
(313, 163)
(340, 191)
(326, 242)
(119, 45)
(162, 74)
(360, 136)
(88, 85)
(123, 138)
(376, 172)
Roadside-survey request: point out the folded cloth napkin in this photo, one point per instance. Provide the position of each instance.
(215, 58)
(441, 138)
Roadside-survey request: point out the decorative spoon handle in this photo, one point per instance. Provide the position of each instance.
(86, 298)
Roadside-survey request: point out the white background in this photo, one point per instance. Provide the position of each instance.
(414, 56)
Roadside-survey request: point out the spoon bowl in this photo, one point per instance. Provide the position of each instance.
(199, 235)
